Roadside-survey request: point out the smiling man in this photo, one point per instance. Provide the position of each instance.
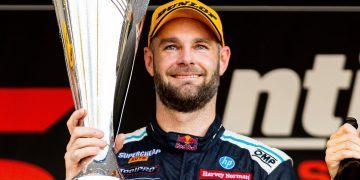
(186, 55)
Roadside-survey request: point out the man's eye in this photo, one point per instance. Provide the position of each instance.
(200, 46)
(170, 47)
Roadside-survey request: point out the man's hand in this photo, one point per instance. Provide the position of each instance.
(84, 144)
(343, 144)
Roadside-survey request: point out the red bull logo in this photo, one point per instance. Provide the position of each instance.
(186, 143)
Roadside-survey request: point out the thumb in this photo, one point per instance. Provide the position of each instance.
(75, 118)
(119, 142)
(347, 129)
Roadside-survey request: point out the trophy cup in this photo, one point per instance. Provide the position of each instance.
(100, 39)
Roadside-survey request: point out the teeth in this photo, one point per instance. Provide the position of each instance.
(186, 76)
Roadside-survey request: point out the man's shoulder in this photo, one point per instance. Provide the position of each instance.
(136, 135)
(268, 158)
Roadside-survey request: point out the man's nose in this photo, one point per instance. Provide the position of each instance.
(186, 57)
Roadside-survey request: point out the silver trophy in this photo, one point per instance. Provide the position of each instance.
(100, 39)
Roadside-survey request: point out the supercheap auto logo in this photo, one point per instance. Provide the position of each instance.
(124, 155)
(138, 159)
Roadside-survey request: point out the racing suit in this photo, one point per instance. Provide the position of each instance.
(151, 153)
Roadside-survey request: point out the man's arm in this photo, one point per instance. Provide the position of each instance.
(84, 144)
(343, 144)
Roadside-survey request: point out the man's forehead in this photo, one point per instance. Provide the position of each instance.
(169, 31)
(181, 22)
(164, 40)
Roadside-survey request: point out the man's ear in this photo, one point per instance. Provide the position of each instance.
(225, 54)
(148, 58)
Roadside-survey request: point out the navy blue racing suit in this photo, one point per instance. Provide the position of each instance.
(151, 153)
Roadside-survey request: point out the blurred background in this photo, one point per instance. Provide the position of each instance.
(292, 79)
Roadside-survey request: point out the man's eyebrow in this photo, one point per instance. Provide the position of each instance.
(199, 40)
(168, 40)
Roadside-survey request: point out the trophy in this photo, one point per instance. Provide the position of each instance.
(100, 39)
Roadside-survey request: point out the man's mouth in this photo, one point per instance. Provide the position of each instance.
(186, 76)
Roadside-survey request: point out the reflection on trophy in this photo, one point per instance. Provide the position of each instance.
(100, 39)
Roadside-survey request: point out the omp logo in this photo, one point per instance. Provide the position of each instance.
(265, 157)
(283, 88)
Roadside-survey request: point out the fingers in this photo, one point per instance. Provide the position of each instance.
(88, 142)
(340, 151)
(348, 145)
(343, 139)
(84, 132)
(84, 143)
(342, 154)
(119, 142)
(338, 146)
(75, 118)
(343, 144)
(77, 155)
(75, 160)
(345, 129)
(333, 159)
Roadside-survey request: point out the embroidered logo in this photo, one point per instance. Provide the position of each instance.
(149, 153)
(186, 143)
(265, 157)
(214, 174)
(138, 159)
(139, 169)
(188, 4)
(226, 162)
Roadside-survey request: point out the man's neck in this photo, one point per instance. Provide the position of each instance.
(195, 123)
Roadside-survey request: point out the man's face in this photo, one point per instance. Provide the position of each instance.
(185, 64)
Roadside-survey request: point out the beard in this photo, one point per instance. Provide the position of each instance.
(181, 98)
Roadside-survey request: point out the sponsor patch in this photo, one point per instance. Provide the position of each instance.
(189, 4)
(226, 162)
(138, 159)
(149, 153)
(186, 143)
(215, 174)
(265, 157)
(139, 169)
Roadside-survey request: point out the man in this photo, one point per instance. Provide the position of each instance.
(186, 55)
(343, 144)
